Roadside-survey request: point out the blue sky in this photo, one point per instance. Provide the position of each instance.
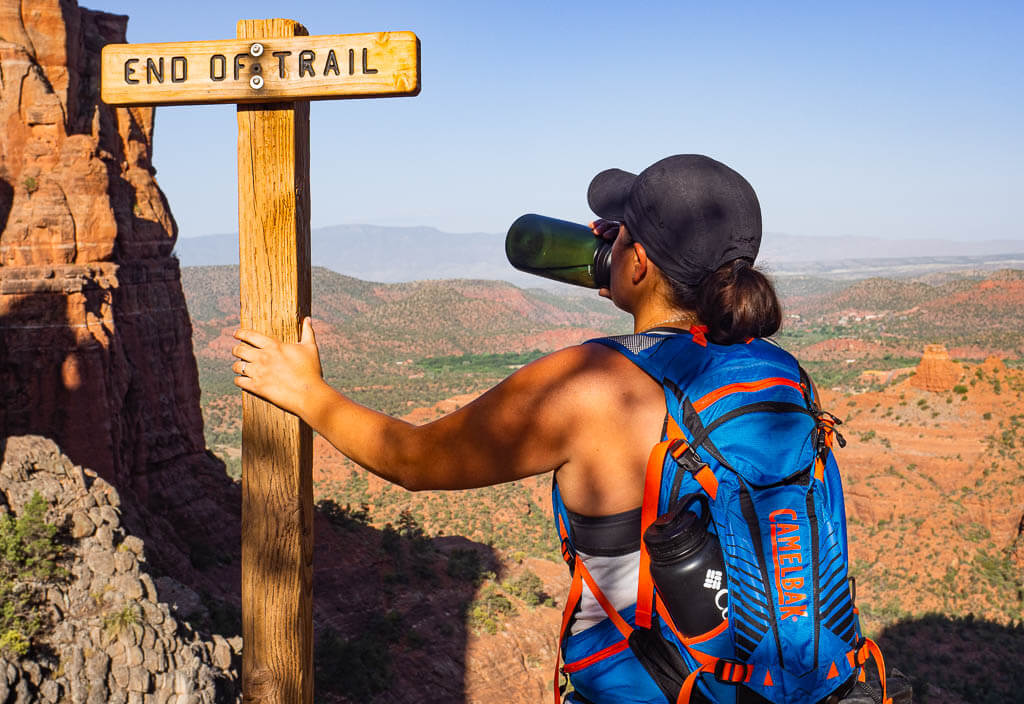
(898, 120)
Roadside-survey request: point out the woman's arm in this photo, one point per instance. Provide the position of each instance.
(528, 424)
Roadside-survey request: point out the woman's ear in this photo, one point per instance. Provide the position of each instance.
(639, 262)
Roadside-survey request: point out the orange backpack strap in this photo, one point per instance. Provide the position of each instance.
(674, 444)
(865, 650)
(624, 628)
(880, 663)
(575, 592)
(691, 680)
(689, 461)
(648, 513)
(565, 544)
(580, 576)
(724, 670)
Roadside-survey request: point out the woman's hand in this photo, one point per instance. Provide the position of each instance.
(607, 230)
(284, 374)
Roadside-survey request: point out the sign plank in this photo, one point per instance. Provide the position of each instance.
(261, 70)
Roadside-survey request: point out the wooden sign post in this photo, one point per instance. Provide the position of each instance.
(272, 70)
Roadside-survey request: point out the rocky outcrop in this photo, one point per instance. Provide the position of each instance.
(77, 174)
(95, 337)
(993, 365)
(115, 633)
(86, 238)
(936, 371)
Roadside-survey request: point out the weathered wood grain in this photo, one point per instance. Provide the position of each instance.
(277, 495)
(377, 64)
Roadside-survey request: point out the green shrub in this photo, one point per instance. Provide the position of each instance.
(117, 622)
(13, 642)
(420, 549)
(959, 389)
(528, 587)
(973, 532)
(489, 609)
(29, 553)
(346, 517)
(410, 529)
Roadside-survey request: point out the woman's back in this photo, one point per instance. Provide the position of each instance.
(620, 410)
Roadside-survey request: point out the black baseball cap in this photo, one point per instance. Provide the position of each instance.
(691, 213)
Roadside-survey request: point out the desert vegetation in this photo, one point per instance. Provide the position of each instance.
(30, 553)
(932, 478)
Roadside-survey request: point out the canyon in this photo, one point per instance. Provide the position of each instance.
(114, 367)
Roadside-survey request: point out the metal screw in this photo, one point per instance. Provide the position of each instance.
(256, 82)
(256, 49)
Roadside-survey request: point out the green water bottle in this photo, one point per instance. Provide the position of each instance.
(560, 250)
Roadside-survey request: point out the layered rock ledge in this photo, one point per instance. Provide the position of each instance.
(116, 634)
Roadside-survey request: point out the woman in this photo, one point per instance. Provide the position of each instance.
(686, 231)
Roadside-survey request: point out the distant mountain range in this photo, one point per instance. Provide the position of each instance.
(395, 254)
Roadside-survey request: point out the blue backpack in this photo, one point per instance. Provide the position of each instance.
(744, 429)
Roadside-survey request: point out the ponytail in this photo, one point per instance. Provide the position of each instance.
(736, 302)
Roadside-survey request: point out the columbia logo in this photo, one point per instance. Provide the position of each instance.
(713, 579)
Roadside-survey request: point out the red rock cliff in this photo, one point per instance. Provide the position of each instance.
(95, 337)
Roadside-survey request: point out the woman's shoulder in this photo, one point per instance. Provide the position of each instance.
(586, 360)
(592, 374)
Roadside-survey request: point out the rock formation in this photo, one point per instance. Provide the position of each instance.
(114, 633)
(95, 337)
(993, 365)
(95, 354)
(936, 371)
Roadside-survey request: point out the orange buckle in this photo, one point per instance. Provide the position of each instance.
(685, 456)
(567, 554)
(732, 672)
(861, 654)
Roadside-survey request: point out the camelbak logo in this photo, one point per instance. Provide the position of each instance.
(713, 579)
(789, 563)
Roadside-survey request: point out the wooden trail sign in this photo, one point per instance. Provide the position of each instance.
(272, 69)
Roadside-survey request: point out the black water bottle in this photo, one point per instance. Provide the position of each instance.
(687, 567)
(560, 250)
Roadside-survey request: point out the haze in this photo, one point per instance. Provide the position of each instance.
(866, 119)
